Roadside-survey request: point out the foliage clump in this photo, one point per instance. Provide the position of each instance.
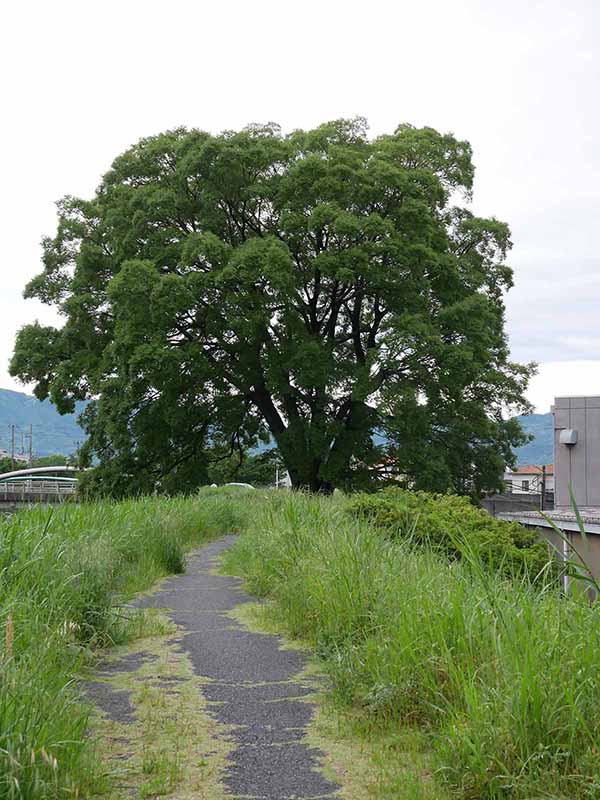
(453, 526)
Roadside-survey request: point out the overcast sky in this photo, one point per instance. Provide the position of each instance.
(520, 81)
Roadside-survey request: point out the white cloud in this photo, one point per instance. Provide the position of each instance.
(563, 378)
(83, 81)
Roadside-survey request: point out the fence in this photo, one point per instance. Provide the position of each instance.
(28, 491)
(502, 503)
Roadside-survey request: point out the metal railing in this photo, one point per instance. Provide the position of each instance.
(35, 491)
(34, 487)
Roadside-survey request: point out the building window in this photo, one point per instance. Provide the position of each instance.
(525, 486)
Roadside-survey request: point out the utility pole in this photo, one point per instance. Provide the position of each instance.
(543, 486)
(12, 446)
(30, 437)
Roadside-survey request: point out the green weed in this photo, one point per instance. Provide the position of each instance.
(498, 668)
(496, 671)
(65, 577)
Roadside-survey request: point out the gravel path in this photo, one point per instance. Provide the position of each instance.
(252, 684)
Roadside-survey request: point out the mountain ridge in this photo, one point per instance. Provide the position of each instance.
(53, 433)
(56, 433)
(541, 449)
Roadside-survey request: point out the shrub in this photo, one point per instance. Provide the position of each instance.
(452, 526)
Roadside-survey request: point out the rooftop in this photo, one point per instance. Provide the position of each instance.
(532, 469)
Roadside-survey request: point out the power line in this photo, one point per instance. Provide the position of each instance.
(12, 451)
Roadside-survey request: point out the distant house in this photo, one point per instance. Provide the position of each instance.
(20, 458)
(528, 478)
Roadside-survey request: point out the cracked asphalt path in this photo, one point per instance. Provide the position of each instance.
(252, 684)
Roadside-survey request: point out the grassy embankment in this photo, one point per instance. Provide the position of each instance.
(502, 677)
(498, 678)
(64, 577)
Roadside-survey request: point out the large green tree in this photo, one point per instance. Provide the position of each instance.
(313, 288)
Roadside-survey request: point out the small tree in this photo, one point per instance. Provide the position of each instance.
(56, 460)
(315, 287)
(6, 465)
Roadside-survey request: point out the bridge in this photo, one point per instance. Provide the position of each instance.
(52, 484)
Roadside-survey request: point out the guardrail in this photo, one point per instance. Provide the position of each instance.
(35, 491)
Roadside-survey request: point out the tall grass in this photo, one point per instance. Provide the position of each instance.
(502, 673)
(64, 576)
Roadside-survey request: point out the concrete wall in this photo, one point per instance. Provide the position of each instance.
(578, 464)
(589, 550)
(586, 553)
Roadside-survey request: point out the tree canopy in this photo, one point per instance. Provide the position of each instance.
(314, 288)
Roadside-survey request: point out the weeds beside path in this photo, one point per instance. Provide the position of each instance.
(480, 686)
(499, 677)
(218, 706)
(65, 576)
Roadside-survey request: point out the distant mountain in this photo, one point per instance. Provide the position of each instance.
(541, 449)
(52, 433)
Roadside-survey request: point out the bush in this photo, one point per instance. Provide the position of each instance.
(451, 525)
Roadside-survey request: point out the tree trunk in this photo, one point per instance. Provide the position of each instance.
(304, 471)
(303, 465)
(312, 484)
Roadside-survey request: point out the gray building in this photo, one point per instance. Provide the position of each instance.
(577, 451)
(576, 466)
